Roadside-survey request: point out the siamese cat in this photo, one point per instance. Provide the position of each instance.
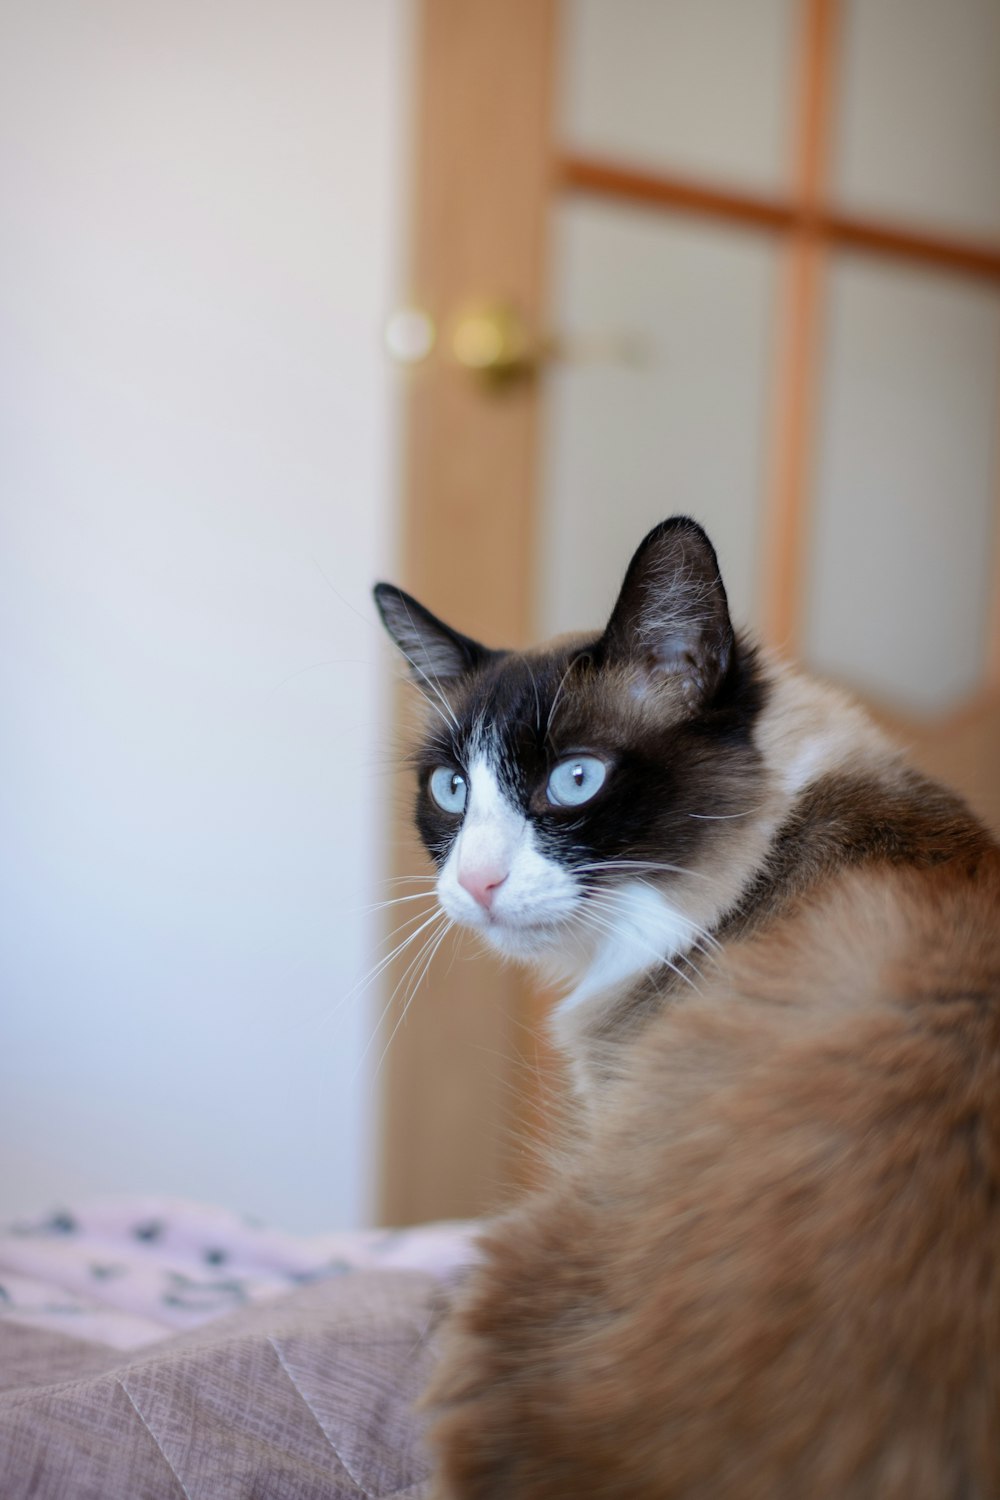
(766, 1258)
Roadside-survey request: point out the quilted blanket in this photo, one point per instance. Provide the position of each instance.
(155, 1351)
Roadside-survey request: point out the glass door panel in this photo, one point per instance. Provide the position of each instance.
(919, 111)
(683, 428)
(691, 86)
(899, 575)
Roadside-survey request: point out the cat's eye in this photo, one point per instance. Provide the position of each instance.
(449, 789)
(576, 780)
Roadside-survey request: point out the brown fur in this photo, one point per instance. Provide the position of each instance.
(770, 1266)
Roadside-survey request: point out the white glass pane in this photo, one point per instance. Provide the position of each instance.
(919, 134)
(681, 431)
(899, 582)
(698, 86)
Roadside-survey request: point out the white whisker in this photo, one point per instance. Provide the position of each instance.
(597, 865)
(610, 926)
(383, 963)
(724, 817)
(432, 943)
(558, 693)
(391, 901)
(702, 933)
(400, 982)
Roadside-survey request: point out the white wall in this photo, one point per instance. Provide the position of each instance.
(200, 212)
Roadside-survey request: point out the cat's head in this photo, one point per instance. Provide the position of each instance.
(561, 788)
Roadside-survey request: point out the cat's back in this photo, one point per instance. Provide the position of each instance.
(773, 1268)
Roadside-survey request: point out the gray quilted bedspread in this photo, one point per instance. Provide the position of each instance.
(309, 1397)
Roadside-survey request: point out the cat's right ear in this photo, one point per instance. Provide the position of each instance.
(433, 650)
(671, 621)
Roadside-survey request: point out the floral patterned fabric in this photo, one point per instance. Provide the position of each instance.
(128, 1272)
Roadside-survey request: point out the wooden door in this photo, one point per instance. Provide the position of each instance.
(779, 228)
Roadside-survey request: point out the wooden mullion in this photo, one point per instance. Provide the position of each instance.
(791, 442)
(589, 174)
(952, 253)
(670, 191)
(795, 390)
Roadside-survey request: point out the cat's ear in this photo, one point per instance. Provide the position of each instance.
(672, 618)
(434, 651)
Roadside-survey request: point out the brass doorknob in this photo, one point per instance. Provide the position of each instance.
(492, 341)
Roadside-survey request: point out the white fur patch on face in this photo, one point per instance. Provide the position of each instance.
(646, 929)
(533, 894)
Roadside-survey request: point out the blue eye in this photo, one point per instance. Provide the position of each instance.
(449, 789)
(576, 780)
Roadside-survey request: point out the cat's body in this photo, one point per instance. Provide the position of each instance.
(767, 1259)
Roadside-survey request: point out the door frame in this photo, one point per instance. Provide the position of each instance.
(454, 1091)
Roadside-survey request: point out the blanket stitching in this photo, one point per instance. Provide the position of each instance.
(156, 1440)
(321, 1425)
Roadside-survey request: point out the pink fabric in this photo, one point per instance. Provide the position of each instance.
(127, 1272)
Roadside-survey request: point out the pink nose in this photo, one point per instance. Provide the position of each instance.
(482, 885)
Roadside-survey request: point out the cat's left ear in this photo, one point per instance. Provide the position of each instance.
(672, 617)
(435, 652)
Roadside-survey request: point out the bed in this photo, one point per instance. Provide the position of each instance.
(153, 1349)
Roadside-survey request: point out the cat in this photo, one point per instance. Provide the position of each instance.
(765, 1261)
